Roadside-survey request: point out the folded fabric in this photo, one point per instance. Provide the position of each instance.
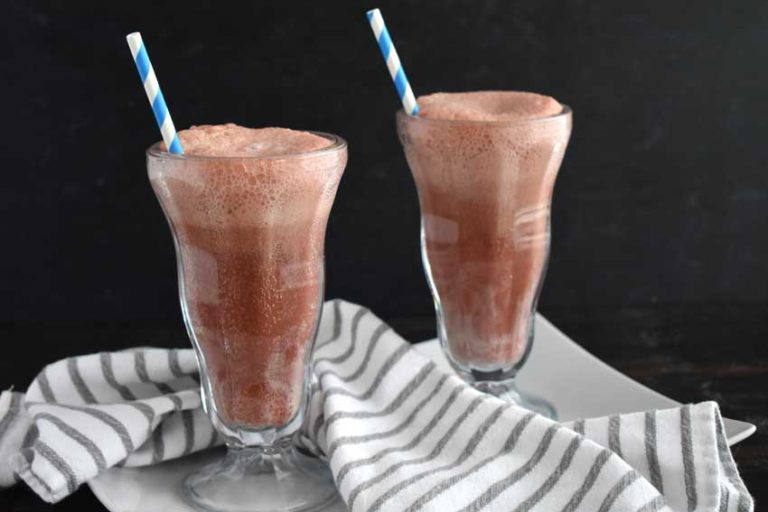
(399, 434)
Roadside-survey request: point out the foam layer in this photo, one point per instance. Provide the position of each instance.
(237, 141)
(240, 190)
(487, 106)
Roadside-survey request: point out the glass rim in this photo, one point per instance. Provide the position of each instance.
(565, 112)
(337, 144)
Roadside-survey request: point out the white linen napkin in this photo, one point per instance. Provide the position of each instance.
(399, 434)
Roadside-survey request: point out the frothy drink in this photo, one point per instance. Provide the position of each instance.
(485, 165)
(249, 209)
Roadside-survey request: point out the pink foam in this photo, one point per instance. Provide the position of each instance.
(487, 106)
(237, 141)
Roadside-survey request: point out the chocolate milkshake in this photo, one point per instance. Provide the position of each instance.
(249, 209)
(485, 165)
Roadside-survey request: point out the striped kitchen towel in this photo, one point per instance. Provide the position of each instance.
(399, 434)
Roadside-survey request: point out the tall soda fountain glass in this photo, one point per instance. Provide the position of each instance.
(485, 189)
(249, 234)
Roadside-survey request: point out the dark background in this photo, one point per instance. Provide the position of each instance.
(660, 212)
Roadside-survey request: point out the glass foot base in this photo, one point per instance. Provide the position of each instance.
(258, 479)
(508, 390)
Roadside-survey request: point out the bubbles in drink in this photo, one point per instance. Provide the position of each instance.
(250, 227)
(485, 164)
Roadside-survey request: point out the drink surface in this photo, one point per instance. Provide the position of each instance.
(231, 140)
(487, 106)
(249, 209)
(485, 164)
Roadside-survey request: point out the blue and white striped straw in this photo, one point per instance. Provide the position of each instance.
(154, 94)
(396, 70)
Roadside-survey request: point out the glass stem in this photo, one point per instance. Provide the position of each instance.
(508, 391)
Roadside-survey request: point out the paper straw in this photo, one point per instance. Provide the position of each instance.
(155, 96)
(396, 70)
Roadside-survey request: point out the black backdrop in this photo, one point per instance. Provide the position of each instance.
(662, 197)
